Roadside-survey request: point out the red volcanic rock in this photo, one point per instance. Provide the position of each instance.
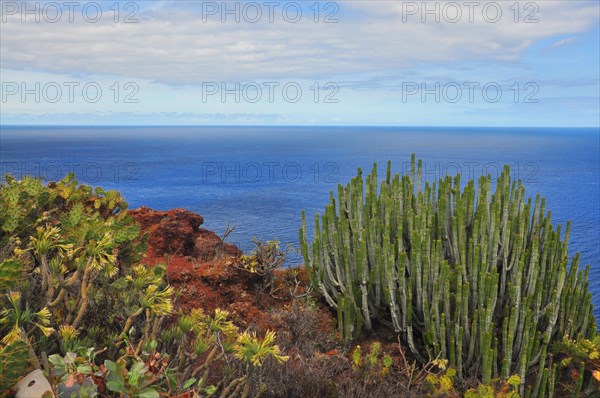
(178, 232)
(199, 264)
(208, 245)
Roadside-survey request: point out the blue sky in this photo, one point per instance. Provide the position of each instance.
(352, 63)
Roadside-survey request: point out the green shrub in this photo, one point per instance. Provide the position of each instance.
(72, 287)
(372, 365)
(581, 360)
(479, 277)
(69, 252)
(263, 260)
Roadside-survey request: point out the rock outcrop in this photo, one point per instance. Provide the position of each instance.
(199, 264)
(177, 232)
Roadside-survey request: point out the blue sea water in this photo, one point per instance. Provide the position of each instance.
(261, 178)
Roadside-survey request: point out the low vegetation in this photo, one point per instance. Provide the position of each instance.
(437, 291)
(77, 301)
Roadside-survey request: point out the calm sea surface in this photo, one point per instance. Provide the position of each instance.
(260, 178)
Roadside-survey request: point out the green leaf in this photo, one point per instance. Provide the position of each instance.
(119, 284)
(85, 369)
(387, 361)
(116, 385)
(138, 367)
(148, 393)
(171, 378)
(565, 362)
(56, 360)
(188, 383)
(88, 390)
(110, 365)
(137, 370)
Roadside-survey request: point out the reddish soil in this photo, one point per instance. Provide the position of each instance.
(203, 269)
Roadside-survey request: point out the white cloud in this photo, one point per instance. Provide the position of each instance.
(172, 45)
(563, 42)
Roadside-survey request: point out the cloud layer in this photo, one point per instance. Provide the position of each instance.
(176, 45)
(173, 45)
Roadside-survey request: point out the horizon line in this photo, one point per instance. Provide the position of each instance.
(294, 125)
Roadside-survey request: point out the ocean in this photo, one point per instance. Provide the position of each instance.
(261, 178)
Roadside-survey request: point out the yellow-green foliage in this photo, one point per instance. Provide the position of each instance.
(581, 358)
(584, 350)
(251, 349)
(441, 384)
(16, 321)
(371, 364)
(69, 252)
(501, 389)
(67, 260)
(151, 373)
(71, 285)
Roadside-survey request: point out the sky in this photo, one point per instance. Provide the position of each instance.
(396, 63)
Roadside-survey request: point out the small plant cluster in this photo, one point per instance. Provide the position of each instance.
(77, 302)
(501, 389)
(372, 363)
(263, 260)
(581, 359)
(441, 383)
